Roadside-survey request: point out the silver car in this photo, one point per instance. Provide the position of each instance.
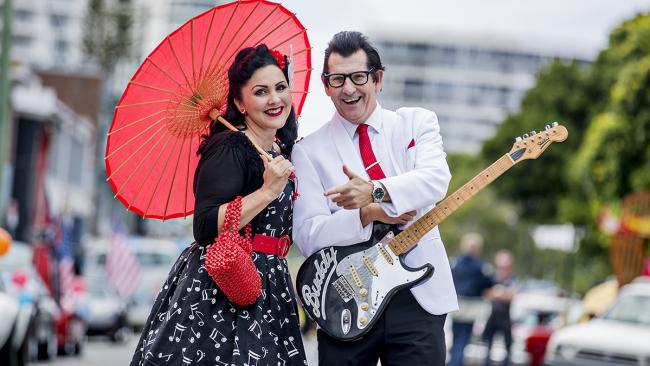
(621, 336)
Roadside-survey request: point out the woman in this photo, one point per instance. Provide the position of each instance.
(192, 320)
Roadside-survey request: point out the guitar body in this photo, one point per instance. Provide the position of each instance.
(344, 289)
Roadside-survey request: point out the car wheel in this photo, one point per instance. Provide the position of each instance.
(6, 356)
(47, 350)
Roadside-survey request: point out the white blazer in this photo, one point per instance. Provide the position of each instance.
(422, 178)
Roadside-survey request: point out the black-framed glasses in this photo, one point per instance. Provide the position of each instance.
(357, 78)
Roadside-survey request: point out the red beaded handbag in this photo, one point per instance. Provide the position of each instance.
(229, 260)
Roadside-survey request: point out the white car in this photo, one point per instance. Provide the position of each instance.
(9, 309)
(621, 336)
(155, 258)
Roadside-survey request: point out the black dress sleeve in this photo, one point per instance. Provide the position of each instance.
(220, 178)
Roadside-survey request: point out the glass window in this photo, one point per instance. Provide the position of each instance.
(58, 20)
(76, 170)
(413, 89)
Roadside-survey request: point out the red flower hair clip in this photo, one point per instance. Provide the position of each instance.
(280, 58)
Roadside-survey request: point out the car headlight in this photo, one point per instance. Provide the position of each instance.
(567, 352)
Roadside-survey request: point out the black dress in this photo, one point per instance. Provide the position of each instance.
(192, 322)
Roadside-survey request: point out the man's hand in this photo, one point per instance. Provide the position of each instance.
(356, 193)
(374, 212)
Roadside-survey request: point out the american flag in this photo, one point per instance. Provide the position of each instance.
(67, 277)
(122, 267)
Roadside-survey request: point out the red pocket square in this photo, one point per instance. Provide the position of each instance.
(411, 144)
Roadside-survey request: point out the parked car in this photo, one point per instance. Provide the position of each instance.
(526, 312)
(34, 335)
(107, 310)
(9, 309)
(620, 336)
(155, 258)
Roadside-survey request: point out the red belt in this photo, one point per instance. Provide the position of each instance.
(272, 245)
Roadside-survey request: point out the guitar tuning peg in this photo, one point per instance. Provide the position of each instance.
(547, 127)
(518, 138)
(525, 136)
(555, 124)
(533, 133)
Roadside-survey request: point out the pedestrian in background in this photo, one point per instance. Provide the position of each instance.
(501, 297)
(472, 280)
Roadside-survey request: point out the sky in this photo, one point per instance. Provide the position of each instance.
(577, 28)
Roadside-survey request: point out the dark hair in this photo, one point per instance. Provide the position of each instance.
(348, 42)
(247, 61)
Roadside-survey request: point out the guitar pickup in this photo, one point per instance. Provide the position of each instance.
(385, 253)
(342, 286)
(371, 267)
(355, 276)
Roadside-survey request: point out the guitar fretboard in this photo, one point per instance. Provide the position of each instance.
(408, 238)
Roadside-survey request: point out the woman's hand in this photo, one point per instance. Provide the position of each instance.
(276, 173)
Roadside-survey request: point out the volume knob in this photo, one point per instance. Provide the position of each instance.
(363, 292)
(363, 320)
(364, 306)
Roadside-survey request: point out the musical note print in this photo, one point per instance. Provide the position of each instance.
(167, 357)
(219, 362)
(268, 316)
(284, 362)
(218, 317)
(196, 314)
(215, 333)
(201, 354)
(291, 350)
(222, 333)
(197, 288)
(235, 351)
(196, 335)
(209, 295)
(270, 211)
(255, 358)
(256, 329)
(186, 360)
(180, 328)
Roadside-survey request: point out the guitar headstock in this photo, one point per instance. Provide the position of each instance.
(533, 144)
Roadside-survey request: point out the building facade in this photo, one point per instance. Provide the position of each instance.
(472, 83)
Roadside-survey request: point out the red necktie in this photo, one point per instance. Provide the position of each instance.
(368, 157)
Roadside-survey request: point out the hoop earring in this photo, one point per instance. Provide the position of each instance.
(243, 112)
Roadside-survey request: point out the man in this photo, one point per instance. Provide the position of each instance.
(472, 280)
(365, 166)
(501, 297)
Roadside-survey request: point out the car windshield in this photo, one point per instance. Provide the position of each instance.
(630, 309)
(145, 259)
(17, 257)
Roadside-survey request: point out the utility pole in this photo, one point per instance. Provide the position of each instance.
(5, 82)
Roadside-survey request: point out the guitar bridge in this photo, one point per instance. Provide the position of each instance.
(342, 286)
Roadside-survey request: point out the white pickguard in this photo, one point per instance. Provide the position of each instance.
(387, 276)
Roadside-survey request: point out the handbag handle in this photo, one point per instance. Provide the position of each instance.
(233, 215)
(232, 220)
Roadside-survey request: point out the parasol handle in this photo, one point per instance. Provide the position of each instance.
(215, 115)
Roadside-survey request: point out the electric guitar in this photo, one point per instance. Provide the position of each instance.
(344, 289)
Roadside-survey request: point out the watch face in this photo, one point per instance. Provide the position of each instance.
(378, 194)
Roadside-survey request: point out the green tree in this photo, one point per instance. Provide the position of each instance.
(560, 94)
(107, 33)
(606, 108)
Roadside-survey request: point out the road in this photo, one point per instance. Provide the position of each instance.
(100, 351)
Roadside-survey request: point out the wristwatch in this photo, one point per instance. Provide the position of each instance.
(378, 191)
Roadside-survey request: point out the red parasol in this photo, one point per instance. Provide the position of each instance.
(178, 89)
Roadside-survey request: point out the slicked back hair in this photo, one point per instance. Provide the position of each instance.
(348, 42)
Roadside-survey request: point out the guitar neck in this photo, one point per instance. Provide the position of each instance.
(408, 238)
